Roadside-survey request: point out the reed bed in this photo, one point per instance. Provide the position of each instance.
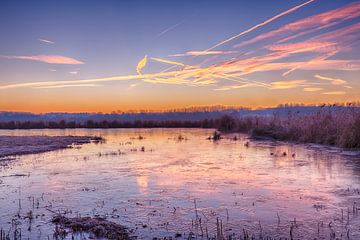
(335, 128)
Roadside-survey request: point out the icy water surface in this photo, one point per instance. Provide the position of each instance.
(160, 185)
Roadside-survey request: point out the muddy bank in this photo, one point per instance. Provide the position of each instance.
(20, 145)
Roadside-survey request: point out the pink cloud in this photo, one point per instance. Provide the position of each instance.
(310, 24)
(328, 44)
(337, 40)
(306, 46)
(261, 24)
(52, 59)
(241, 69)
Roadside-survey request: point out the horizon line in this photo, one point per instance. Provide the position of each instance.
(202, 108)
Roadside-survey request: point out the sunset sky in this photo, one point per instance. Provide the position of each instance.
(101, 56)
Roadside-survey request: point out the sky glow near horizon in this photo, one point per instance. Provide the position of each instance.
(96, 56)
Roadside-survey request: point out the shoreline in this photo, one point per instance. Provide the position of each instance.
(12, 146)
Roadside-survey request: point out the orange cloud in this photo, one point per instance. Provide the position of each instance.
(141, 64)
(52, 59)
(334, 81)
(233, 87)
(195, 76)
(168, 62)
(312, 89)
(334, 93)
(287, 84)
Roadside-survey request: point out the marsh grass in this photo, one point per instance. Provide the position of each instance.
(336, 128)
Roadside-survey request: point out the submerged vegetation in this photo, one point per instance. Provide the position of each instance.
(216, 136)
(99, 227)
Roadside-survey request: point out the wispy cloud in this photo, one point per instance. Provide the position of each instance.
(309, 24)
(334, 81)
(299, 47)
(311, 61)
(202, 53)
(52, 59)
(134, 85)
(334, 93)
(141, 64)
(260, 24)
(170, 28)
(165, 75)
(68, 86)
(226, 88)
(204, 76)
(312, 89)
(168, 61)
(46, 41)
(226, 70)
(287, 84)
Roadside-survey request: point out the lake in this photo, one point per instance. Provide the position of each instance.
(175, 182)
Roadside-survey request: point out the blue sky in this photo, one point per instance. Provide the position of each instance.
(109, 38)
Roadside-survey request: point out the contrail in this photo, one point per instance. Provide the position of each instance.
(170, 28)
(168, 62)
(46, 41)
(334, 81)
(202, 53)
(51, 59)
(320, 58)
(69, 85)
(260, 24)
(93, 80)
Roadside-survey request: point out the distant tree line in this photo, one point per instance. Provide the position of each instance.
(206, 123)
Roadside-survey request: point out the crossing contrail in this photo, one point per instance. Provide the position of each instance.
(260, 24)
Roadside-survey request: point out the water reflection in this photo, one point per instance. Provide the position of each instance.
(154, 180)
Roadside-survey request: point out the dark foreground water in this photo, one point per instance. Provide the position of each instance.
(160, 185)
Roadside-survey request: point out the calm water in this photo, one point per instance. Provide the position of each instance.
(153, 192)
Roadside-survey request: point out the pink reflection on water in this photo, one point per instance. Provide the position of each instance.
(158, 185)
